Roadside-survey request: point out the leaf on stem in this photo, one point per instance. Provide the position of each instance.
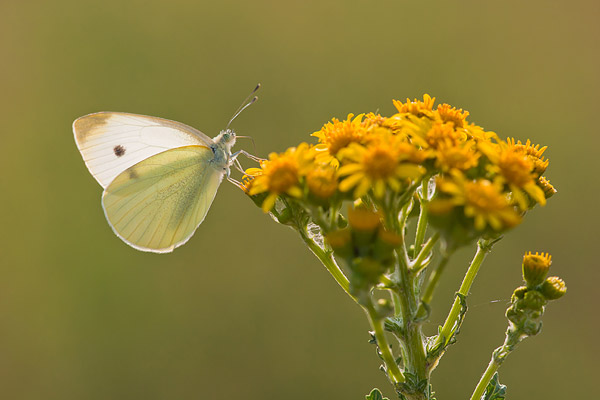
(494, 390)
(375, 395)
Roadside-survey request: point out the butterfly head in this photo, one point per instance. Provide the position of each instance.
(226, 138)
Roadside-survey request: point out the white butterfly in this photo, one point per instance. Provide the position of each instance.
(159, 176)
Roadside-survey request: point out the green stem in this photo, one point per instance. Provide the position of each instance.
(450, 325)
(434, 279)
(415, 358)
(422, 223)
(485, 379)
(377, 324)
(328, 261)
(418, 265)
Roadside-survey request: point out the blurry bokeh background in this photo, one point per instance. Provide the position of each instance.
(244, 311)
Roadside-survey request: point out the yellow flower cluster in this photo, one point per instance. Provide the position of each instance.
(479, 179)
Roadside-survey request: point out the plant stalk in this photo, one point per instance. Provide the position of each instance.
(450, 325)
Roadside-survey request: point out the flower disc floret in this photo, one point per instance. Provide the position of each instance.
(416, 107)
(336, 135)
(447, 113)
(377, 166)
(481, 199)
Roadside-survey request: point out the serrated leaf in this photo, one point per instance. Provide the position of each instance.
(375, 395)
(494, 390)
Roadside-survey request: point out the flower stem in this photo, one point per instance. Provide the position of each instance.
(434, 279)
(485, 379)
(450, 325)
(418, 264)
(422, 223)
(326, 258)
(377, 324)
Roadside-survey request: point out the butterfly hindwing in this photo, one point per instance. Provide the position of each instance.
(111, 142)
(157, 204)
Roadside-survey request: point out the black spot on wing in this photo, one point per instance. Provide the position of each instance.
(119, 150)
(133, 174)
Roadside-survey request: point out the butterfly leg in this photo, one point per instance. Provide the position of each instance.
(235, 155)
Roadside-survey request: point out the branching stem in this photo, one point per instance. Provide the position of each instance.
(450, 325)
(326, 258)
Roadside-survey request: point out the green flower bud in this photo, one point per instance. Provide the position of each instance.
(553, 288)
(515, 315)
(535, 268)
(534, 300)
(531, 327)
(519, 293)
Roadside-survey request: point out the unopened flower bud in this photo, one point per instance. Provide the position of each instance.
(519, 293)
(535, 268)
(534, 300)
(514, 315)
(531, 327)
(553, 288)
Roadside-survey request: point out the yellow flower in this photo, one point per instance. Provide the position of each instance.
(553, 288)
(381, 164)
(363, 220)
(322, 181)
(416, 107)
(482, 200)
(442, 133)
(280, 174)
(456, 156)
(547, 187)
(478, 134)
(517, 169)
(533, 153)
(536, 267)
(447, 113)
(336, 135)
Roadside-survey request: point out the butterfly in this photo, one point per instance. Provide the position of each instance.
(159, 176)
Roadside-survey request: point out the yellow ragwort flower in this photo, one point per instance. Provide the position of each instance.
(461, 156)
(280, 174)
(336, 135)
(363, 219)
(381, 164)
(536, 267)
(444, 133)
(533, 153)
(416, 107)
(322, 181)
(482, 200)
(547, 187)
(447, 113)
(516, 168)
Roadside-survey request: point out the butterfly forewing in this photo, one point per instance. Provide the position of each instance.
(111, 142)
(157, 204)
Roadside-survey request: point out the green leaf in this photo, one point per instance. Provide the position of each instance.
(494, 390)
(376, 395)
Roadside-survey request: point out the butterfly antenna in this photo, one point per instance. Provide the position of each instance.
(245, 104)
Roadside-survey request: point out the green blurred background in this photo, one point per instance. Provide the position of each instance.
(244, 311)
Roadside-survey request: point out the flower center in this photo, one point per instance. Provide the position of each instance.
(515, 167)
(322, 182)
(484, 196)
(283, 175)
(379, 163)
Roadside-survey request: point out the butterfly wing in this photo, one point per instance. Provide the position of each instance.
(111, 142)
(158, 203)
